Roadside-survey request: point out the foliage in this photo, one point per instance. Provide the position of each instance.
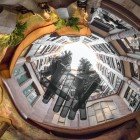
(53, 16)
(4, 39)
(18, 34)
(85, 65)
(60, 23)
(15, 37)
(72, 22)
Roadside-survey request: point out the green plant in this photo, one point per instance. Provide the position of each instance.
(60, 23)
(4, 39)
(18, 34)
(72, 22)
(15, 37)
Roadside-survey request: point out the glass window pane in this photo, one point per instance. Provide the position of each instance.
(18, 71)
(104, 104)
(30, 93)
(106, 110)
(100, 116)
(91, 111)
(28, 90)
(23, 78)
(92, 121)
(108, 113)
(62, 119)
(115, 113)
(31, 97)
(111, 105)
(55, 119)
(97, 106)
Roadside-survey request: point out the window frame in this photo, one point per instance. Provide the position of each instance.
(25, 84)
(103, 112)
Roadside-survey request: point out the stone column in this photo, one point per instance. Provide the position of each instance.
(122, 35)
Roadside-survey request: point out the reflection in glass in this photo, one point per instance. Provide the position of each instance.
(72, 87)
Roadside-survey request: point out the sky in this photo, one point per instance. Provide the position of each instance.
(80, 50)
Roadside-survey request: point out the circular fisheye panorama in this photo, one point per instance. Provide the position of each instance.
(61, 77)
(69, 69)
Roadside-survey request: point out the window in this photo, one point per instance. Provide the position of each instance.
(128, 47)
(106, 92)
(133, 99)
(21, 74)
(135, 71)
(128, 93)
(132, 44)
(119, 67)
(86, 40)
(18, 71)
(31, 93)
(111, 77)
(57, 119)
(40, 49)
(112, 63)
(101, 112)
(93, 37)
(61, 121)
(110, 48)
(117, 84)
(106, 50)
